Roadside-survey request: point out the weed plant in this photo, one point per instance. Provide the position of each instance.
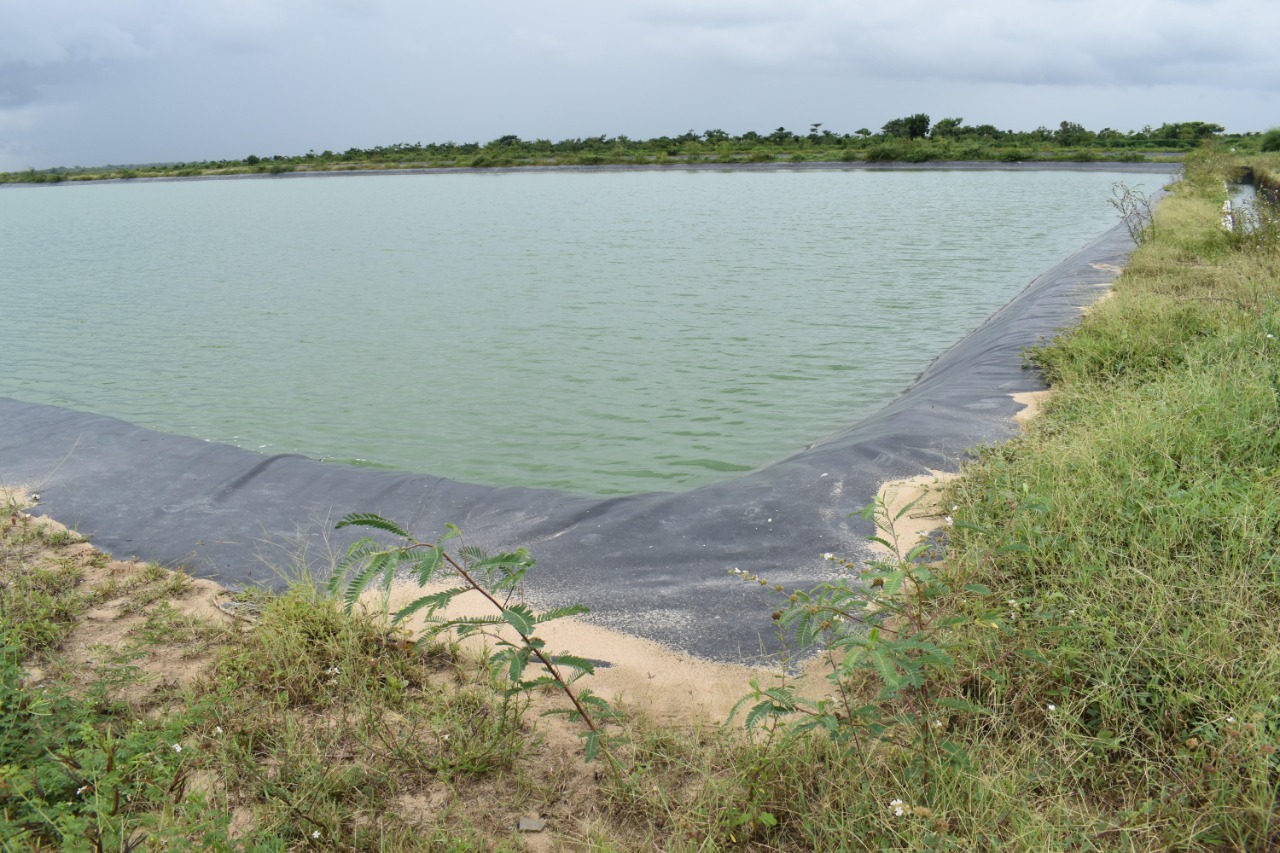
(520, 666)
(1135, 209)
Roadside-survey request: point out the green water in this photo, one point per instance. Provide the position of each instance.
(601, 332)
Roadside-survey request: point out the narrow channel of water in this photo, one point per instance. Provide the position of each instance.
(602, 333)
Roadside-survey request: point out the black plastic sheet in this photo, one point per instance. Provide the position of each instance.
(656, 565)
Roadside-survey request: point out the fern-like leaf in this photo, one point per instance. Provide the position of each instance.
(377, 522)
(582, 665)
(433, 602)
(559, 612)
(426, 564)
(520, 617)
(906, 509)
(383, 563)
(592, 745)
(357, 553)
(516, 668)
(759, 712)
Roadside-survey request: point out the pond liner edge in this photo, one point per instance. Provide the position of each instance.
(654, 565)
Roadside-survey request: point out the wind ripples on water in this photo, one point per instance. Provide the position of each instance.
(602, 333)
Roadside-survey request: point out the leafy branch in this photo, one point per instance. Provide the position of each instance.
(892, 626)
(525, 663)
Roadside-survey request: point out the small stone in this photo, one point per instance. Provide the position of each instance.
(531, 824)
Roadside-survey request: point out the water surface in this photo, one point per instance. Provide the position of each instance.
(600, 332)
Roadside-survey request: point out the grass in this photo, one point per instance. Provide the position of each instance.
(1094, 663)
(307, 728)
(1159, 558)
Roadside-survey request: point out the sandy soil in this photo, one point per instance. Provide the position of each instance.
(1033, 402)
(111, 626)
(633, 672)
(668, 686)
(915, 505)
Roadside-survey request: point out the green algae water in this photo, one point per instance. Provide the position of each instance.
(603, 333)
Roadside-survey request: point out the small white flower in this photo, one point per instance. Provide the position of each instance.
(444, 737)
(315, 835)
(949, 520)
(1052, 707)
(937, 724)
(333, 670)
(898, 806)
(217, 730)
(80, 791)
(1071, 613)
(955, 507)
(177, 747)
(828, 556)
(1269, 336)
(1231, 719)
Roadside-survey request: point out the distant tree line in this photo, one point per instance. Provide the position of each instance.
(911, 138)
(1168, 137)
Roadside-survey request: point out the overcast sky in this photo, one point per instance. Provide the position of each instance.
(94, 82)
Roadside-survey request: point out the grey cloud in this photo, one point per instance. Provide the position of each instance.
(57, 31)
(139, 80)
(1067, 42)
(715, 13)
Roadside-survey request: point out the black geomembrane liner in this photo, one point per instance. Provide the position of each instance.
(655, 565)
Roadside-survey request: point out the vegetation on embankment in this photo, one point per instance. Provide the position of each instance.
(912, 139)
(1148, 716)
(1094, 665)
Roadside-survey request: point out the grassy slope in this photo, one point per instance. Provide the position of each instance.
(1126, 660)
(1154, 577)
